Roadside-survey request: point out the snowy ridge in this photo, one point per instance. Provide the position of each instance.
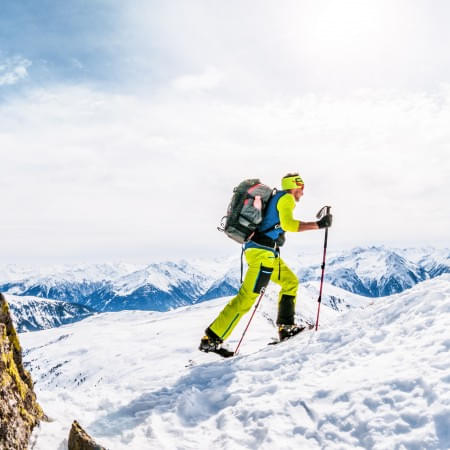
(336, 298)
(65, 272)
(162, 276)
(227, 284)
(434, 261)
(380, 271)
(34, 313)
(115, 287)
(372, 271)
(373, 377)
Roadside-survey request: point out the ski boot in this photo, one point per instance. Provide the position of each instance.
(212, 343)
(287, 331)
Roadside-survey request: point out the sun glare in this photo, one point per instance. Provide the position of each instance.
(345, 28)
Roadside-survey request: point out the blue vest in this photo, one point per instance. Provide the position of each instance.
(272, 218)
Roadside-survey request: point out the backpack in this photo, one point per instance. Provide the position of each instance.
(246, 210)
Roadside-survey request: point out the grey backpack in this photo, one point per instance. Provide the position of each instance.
(246, 210)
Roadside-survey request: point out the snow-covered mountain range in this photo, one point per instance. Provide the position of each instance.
(380, 271)
(375, 376)
(114, 287)
(371, 271)
(35, 313)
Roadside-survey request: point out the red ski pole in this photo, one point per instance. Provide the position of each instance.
(248, 324)
(319, 300)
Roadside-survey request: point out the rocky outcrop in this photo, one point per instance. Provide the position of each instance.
(80, 440)
(19, 410)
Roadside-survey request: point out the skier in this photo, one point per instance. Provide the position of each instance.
(264, 264)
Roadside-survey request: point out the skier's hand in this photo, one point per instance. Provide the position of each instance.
(325, 221)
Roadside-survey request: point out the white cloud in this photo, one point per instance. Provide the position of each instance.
(106, 176)
(352, 94)
(14, 69)
(205, 81)
(268, 51)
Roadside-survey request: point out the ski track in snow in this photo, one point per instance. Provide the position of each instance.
(371, 378)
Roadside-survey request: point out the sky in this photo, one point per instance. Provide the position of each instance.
(124, 126)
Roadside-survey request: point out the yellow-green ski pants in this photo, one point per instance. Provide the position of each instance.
(263, 266)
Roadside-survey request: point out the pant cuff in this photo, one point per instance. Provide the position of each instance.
(286, 310)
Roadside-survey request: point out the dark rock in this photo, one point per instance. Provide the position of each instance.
(19, 410)
(80, 440)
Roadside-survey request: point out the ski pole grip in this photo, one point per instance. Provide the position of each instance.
(323, 211)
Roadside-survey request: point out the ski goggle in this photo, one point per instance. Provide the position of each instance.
(293, 182)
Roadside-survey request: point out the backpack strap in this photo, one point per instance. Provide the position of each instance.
(274, 227)
(242, 262)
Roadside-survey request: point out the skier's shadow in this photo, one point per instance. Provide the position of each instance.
(194, 398)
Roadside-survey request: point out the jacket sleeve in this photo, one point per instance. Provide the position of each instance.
(285, 207)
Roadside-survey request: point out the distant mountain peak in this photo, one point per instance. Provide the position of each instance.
(371, 271)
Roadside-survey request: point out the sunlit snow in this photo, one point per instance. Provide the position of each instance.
(375, 375)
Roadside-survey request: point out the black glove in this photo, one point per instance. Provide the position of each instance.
(325, 221)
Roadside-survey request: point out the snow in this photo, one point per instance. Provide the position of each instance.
(162, 276)
(380, 271)
(66, 272)
(370, 271)
(371, 263)
(376, 375)
(419, 254)
(33, 313)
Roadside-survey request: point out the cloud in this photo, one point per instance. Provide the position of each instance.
(232, 48)
(135, 130)
(111, 175)
(13, 70)
(304, 47)
(205, 81)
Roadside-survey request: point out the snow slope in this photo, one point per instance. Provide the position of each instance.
(375, 378)
(35, 313)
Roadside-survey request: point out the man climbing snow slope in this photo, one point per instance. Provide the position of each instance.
(264, 264)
